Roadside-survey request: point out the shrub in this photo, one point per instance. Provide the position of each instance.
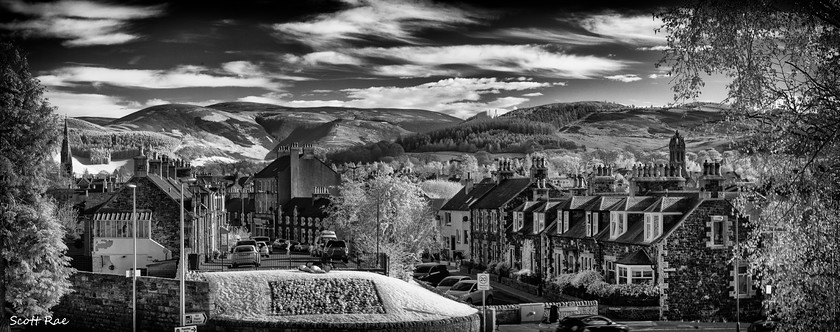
(491, 267)
(585, 278)
(503, 269)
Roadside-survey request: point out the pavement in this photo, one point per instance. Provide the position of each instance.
(634, 326)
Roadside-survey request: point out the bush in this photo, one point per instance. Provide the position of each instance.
(503, 269)
(591, 285)
(585, 278)
(491, 267)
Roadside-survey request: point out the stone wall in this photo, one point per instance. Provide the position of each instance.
(102, 302)
(471, 323)
(698, 278)
(511, 313)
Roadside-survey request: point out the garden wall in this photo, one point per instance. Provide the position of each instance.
(102, 302)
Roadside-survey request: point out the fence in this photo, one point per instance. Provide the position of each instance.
(282, 261)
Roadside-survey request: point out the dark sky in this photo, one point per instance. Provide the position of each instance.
(113, 58)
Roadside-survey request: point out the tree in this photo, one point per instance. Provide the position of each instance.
(784, 65)
(392, 207)
(440, 188)
(33, 268)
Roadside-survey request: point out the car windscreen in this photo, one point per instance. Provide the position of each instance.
(247, 242)
(449, 282)
(422, 269)
(243, 249)
(333, 244)
(462, 286)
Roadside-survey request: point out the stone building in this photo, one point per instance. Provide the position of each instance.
(454, 215)
(296, 173)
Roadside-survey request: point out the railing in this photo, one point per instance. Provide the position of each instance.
(281, 261)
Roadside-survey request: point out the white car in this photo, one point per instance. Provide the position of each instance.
(467, 291)
(447, 283)
(245, 255)
(263, 248)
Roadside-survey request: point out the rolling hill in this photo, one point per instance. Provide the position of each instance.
(241, 130)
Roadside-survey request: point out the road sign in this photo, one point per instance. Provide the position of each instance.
(483, 281)
(195, 318)
(129, 275)
(186, 329)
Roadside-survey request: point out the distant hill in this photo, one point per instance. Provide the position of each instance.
(241, 130)
(578, 125)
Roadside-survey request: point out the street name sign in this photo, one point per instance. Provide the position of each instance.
(195, 318)
(483, 281)
(186, 329)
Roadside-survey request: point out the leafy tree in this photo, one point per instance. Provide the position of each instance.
(33, 268)
(784, 65)
(439, 188)
(406, 225)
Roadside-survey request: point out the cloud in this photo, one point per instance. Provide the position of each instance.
(179, 77)
(324, 57)
(654, 48)
(545, 35)
(626, 29)
(655, 76)
(250, 69)
(533, 94)
(89, 104)
(626, 78)
(456, 96)
(376, 19)
(424, 61)
(81, 23)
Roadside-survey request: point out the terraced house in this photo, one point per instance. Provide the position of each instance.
(662, 226)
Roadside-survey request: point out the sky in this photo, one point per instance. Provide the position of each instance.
(109, 59)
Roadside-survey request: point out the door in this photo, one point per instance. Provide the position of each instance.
(452, 242)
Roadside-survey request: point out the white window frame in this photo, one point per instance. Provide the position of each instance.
(618, 223)
(721, 231)
(595, 218)
(645, 273)
(565, 223)
(745, 289)
(588, 223)
(447, 218)
(653, 226)
(539, 221)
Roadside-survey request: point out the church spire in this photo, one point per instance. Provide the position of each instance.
(66, 156)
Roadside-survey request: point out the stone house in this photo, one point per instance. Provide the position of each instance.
(296, 173)
(454, 218)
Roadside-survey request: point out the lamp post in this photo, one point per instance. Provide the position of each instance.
(181, 253)
(134, 270)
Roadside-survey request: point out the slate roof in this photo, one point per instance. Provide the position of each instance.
(639, 257)
(462, 200)
(274, 167)
(436, 203)
(502, 193)
(670, 204)
(170, 187)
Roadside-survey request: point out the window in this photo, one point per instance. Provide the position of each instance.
(447, 218)
(539, 221)
(595, 229)
(466, 238)
(717, 231)
(517, 220)
(588, 223)
(741, 283)
(457, 237)
(653, 226)
(634, 274)
(587, 261)
(565, 223)
(610, 269)
(618, 224)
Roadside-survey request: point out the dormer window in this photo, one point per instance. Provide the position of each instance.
(591, 223)
(618, 224)
(564, 223)
(653, 226)
(539, 221)
(519, 220)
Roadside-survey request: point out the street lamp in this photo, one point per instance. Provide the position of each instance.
(134, 270)
(181, 253)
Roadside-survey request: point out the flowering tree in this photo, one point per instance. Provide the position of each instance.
(783, 62)
(33, 268)
(388, 214)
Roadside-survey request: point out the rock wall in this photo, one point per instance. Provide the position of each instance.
(102, 302)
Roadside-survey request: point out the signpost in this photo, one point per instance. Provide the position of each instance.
(195, 318)
(186, 329)
(483, 285)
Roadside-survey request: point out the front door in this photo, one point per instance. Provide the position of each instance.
(452, 243)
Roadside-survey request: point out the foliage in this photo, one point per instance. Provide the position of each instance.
(366, 153)
(33, 246)
(784, 66)
(33, 268)
(102, 147)
(491, 135)
(386, 212)
(238, 233)
(439, 188)
(242, 167)
(591, 284)
(561, 114)
(67, 216)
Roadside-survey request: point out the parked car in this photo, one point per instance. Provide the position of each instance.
(301, 247)
(431, 273)
(245, 255)
(263, 248)
(764, 325)
(594, 323)
(335, 250)
(467, 291)
(280, 245)
(317, 248)
(447, 283)
(262, 239)
(248, 242)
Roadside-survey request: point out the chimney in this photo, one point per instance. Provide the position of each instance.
(173, 168)
(308, 151)
(184, 170)
(141, 164)
(294, 172)
(467, 183)
(164, 168)
(154, 164)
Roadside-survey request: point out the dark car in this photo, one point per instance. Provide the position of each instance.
(431, 273)
(594, 323)
(762, 326)
(335, 250)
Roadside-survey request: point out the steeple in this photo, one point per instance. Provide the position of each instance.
(676, 148)
(66, 156)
